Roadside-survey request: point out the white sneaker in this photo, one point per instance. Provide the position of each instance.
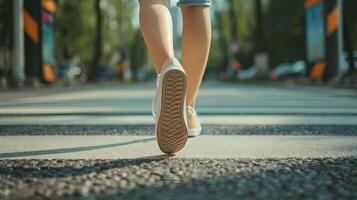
(168, 107)
(155, 101)
(193, 122)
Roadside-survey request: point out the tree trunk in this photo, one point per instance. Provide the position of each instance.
(94, 70)
(259, 44)
(233, 45)
(223, 43)
(233, 19)
(349, 47)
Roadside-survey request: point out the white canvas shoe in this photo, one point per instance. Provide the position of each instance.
(155, 101)
(168, 107)
(193, 122)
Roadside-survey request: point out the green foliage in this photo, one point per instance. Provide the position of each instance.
(118, 31)
(283, 26)
(76, 23)
(245, 23)
(350, 7)
(223, 22)
(5, 22)
(283, 23)
(284, 31)
(138, 53)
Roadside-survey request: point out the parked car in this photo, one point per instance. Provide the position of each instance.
(70, 71)
(246, 74)
(297, 68)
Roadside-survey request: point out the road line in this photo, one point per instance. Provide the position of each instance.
(123, 147)
(205, 119)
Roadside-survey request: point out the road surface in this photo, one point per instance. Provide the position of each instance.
(259, 141)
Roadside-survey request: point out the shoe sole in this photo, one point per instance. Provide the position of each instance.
(171, 128)
(193, 133)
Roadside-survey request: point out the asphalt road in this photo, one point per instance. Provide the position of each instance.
(260, 141)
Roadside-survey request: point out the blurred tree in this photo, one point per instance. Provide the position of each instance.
(126, 32)
(259, 36)
(77, 33)
(6, 38)
(219, 46)
(75, 24)
(94, 70)
(350, 13)
(349, 33)
(233, 40)
(118, 31)
(232, 22)
(285, 32)
(138, 54)
(5, 22)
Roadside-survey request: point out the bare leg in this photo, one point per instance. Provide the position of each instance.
(156, 27)
(195, 47)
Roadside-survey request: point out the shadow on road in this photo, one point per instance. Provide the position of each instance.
(59, 168)
(71, 150)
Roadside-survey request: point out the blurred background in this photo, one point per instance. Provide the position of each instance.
(65, 42)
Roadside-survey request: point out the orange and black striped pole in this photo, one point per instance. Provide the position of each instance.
(315, 38)
(333, 39)
(324, 38)
(33, 41)
(48, 49)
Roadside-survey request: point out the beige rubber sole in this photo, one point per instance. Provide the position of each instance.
(171, 128)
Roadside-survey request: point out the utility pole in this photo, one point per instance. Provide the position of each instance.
(18, 71)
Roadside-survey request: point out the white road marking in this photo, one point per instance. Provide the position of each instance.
(123, 147)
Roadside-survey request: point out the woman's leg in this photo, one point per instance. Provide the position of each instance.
(195, 47)
(168, 105)
(156, 27)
